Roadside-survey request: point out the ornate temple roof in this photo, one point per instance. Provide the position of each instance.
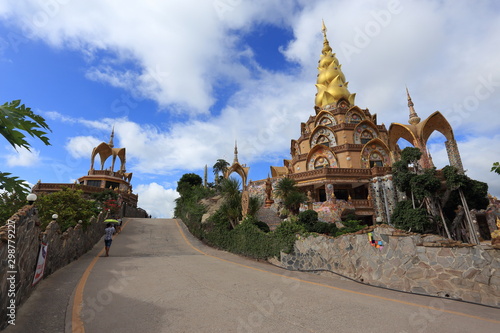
(331, 82)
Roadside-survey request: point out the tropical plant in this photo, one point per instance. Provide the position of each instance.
(496, 167)
(220, 167)
(289, 194)
(16, 118)
(254, 205)
(111, 206)
(231, 207)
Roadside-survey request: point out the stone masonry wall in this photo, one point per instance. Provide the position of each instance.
(63, 248)
(423, 264)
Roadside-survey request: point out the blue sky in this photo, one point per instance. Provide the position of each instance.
(182, 81)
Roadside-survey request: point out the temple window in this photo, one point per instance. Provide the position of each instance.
(366, 136)
(96, 183)
(323, 140)
(355, 119)
(321, 163)
(376, 160)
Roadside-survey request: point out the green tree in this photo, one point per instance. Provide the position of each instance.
(17, 120)
(69, 205)
(422, 184)
(10, 203)
(220, 167)
(187, 182)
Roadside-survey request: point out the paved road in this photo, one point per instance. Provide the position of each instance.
(159, 278)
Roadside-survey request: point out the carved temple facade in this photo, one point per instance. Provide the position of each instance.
(343, 157)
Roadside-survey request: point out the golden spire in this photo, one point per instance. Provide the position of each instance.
(414, 118)
(331, 82)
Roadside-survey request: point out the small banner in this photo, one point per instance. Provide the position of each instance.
(40, 266)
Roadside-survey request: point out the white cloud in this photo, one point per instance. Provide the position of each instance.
(157, 200)
(22, 157)
(81, 146)
(478, 155)
(179, 49)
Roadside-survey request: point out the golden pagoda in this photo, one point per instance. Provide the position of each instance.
(343, 157)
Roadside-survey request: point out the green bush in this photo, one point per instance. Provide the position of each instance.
(325, 228)
(350, 226)
(408, 218)
(285, 235)
(308, 218)
(69, 205)
(262, 226)
(249, 240)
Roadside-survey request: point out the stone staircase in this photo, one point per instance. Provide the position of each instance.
(269, 217)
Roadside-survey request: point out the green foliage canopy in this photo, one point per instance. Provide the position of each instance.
(17, 120)
(187, 182)
(405, 217)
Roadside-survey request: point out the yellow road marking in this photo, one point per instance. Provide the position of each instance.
(76, 321)
(336, 288)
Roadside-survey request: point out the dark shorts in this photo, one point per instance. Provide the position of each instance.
(107, 242)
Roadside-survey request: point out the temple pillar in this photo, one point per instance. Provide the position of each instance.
(454, 155)
(330, 194)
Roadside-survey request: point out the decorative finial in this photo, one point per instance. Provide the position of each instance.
(235, 152)
(323, 28)
(111, 138)
(414, 118)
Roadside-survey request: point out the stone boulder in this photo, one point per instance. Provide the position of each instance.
(212, 204)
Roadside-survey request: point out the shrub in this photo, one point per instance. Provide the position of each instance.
(324, 228)
(261, 225)
(308, 218)
(286, 234)
(408, 218)
(69, 205)
(350, 226)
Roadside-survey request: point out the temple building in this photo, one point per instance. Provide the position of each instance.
(343, 157)
(98, 180)
(108, 178)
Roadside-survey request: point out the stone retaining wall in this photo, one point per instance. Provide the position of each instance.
(423, 264)
(63, 248)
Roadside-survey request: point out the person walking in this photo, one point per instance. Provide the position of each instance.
(108, 237)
